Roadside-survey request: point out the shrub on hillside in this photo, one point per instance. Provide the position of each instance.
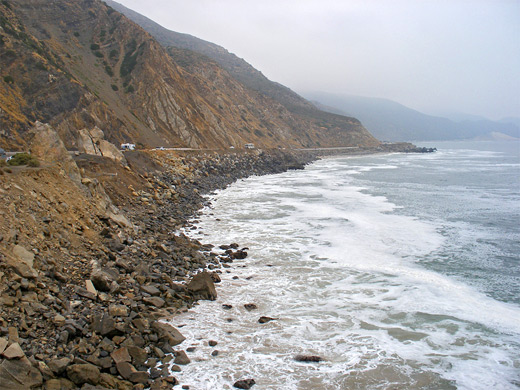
(24, 159)
(34, 163)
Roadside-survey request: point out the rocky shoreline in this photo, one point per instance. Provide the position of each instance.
(92, 259)
(88, 270)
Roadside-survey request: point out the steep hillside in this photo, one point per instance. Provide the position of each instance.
(80, 64)
(391, 121)
(236, 66)
(329, 129)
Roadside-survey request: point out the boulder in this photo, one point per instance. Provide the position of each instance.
(58, 366)
(125, 369)
(168, 333)
(264, 320)
(118, 310)
(152, 290)
(3, 344)
(202, 286)
(90, 287)
(121, 355)
(105, 325)
(181, 358)
(308, 358)
(19, 374)
(93, 142)
(111, 151)
(60, 384)
(139, 355)
(102, 280)
(86, 143)
(154, 301)
(24, 255)
(244, 384)
(14, 351)
(22, 261)
(45, 370)
(139, 377)
(83, 373)
(47, 146)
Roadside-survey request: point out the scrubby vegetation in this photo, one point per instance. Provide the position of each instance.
(109, 70)
(24, 159)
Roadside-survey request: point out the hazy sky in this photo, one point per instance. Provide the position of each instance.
(431, 55)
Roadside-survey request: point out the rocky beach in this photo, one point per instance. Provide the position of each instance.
(92, 260)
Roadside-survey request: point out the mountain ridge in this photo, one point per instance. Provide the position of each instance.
(249, 76)
(81, 64)
(392, 121)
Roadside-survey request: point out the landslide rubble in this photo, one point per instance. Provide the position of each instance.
(89, 267)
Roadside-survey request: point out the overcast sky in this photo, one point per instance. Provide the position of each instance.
(431, 55)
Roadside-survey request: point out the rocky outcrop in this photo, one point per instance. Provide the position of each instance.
(47, 146)
(93, 142)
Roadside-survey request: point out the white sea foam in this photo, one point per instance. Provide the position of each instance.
(342, 271)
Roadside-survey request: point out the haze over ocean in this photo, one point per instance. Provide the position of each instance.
(400, 271)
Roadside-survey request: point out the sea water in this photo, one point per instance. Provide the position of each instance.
(400, 271)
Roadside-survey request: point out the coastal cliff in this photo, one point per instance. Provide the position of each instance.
(81, 64)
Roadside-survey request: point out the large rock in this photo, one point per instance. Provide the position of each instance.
(47, 146)
(154, 301)
(125, 369)
(24, 255)
(121, 355)
(202, 286)
(244, 384)
(84, 373)
(22, 261)
(19, 374)
(102, 280)
(168, 333)
(3, 344)
(109, 150)
(181, 358)
(14, 351)
(58, 366)
(87, 144)
(59, 384)
(139, 377)
(93, 142)
(139, 355)
(308, 358)
(105, 325)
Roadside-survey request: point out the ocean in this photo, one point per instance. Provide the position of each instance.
(400, 271)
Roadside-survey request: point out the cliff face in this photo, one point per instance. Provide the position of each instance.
(80, 64)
